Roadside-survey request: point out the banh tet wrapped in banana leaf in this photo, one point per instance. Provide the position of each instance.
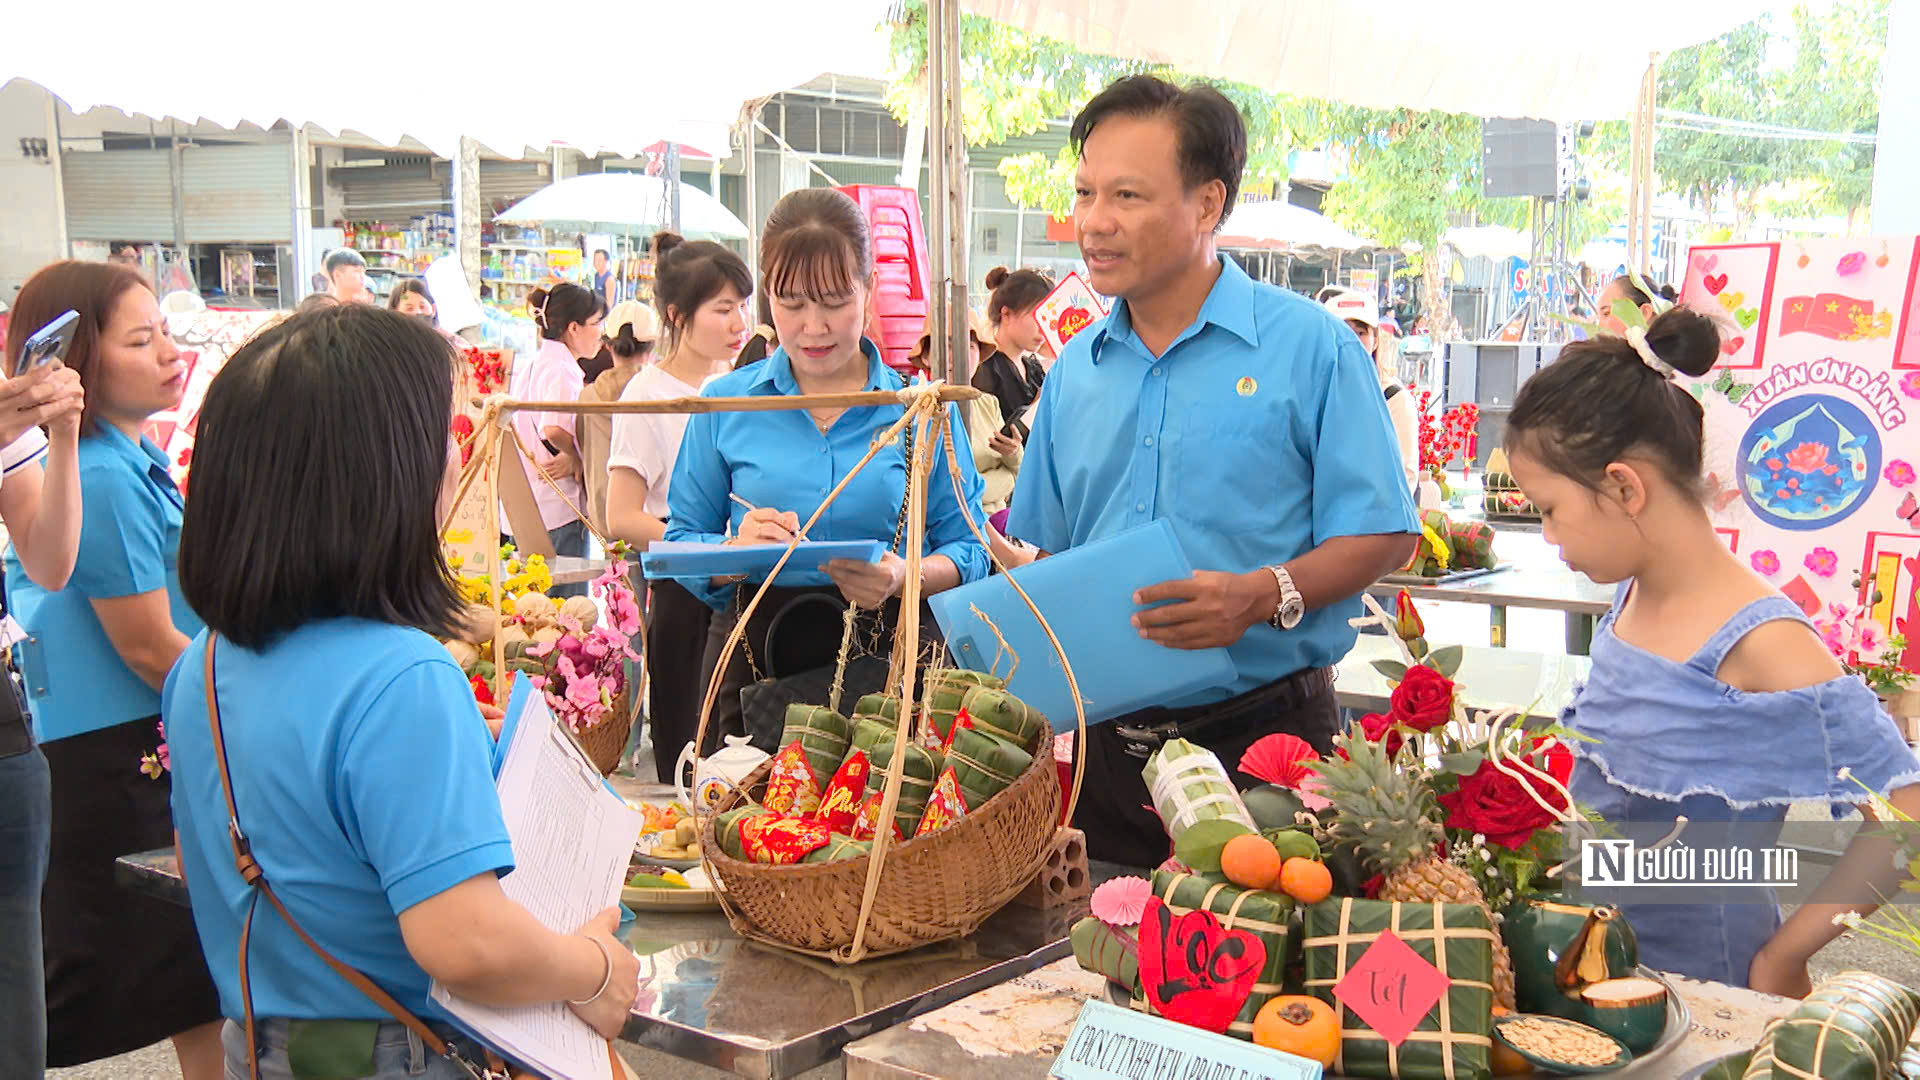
(824, 734)
(984, 766)
(1105, 950)
(1188, 784)
(840, 847)
(916, 783)
(877, 707)
(868, 731)
(1004, 716)
(946, 691)
(726, 827)
(1854, 1026)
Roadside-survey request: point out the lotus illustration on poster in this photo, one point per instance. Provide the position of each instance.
(1811, 444)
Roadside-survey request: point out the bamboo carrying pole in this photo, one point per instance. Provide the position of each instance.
(925, 411)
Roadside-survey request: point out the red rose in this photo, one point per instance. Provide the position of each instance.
(1423, 700)
(1498, 806)
(1379, 728)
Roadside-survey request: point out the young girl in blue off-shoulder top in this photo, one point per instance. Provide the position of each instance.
(1711, 696)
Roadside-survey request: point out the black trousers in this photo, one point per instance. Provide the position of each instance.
(679, 663)
(1116, 811)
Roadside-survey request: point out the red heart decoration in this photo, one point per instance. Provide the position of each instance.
(1195, 971)
(1733, 345)
(1714, 283)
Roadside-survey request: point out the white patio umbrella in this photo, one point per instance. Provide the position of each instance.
(1282, 225)
(623, 202)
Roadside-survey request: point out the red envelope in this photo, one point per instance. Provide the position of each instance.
(840, 806)
(791, 788)
(945, 806)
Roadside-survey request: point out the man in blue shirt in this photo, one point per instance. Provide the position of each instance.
(1246, 415)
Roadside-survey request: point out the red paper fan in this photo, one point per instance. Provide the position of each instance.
(1279, 759)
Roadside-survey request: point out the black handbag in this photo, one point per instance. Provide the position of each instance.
(804, 641)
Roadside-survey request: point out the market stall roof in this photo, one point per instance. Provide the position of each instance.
(505, 74)
(1555, 61)
(623, 201)
(1276, 224)
(1489, 241)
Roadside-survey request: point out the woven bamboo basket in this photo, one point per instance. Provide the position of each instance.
(904, 895)
(605, 741)
(927, 889)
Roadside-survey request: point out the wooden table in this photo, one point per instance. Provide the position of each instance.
(1540, 684)
(1549, 588)
(1016, 1029)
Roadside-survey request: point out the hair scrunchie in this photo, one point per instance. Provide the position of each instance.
(1637, 337)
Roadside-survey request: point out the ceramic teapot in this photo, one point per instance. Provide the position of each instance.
(1560, 949)
(717, 774)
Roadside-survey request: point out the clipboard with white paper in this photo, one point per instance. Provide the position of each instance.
(1086, 594)
(688, 559)
(572, 838)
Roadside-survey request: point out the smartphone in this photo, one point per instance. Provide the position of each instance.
(50, 342)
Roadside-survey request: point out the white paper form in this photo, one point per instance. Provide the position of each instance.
(572, 837)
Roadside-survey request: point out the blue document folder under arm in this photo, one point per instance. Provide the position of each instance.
(682, 559)
(1087, 596)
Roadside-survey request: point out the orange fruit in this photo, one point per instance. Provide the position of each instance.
(1506, 1060)
(1299, 1025)
(1251, 861)
(1305, 880)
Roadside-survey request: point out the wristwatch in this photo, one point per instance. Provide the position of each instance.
(1293, 606)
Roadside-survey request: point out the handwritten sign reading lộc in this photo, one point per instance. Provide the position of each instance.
(1111, 1043)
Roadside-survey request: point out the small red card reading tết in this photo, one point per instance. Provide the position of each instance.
(1391, 988)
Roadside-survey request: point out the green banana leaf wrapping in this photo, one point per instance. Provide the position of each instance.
(1854, 1026)
(1456, 938)
(999, 713)
(1106, 950)
(984, 766)
(1909, 1067)
(916, 786)
(1265, 915)
(878, 707)
(840, 846)
(947, 690)
(823, 734)
(867, 733)
(1760, 1062)
(1472, 543)
(727, 827)
(1188, 785)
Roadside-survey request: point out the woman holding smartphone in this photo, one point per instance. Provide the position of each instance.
(40, 505)
(122, 970)
(371, 810)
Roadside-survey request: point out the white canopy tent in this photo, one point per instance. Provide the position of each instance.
(1282, 225)
(623, 202)
(509, 76)
(1506, 58)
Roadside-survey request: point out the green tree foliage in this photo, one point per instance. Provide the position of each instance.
(1823, 74)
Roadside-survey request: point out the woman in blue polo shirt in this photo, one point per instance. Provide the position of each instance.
(123, 971)
(41, 509)
(369, 806)
(816, 268)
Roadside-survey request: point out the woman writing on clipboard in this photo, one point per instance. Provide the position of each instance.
(817, 270)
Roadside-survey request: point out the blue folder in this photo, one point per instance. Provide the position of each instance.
(1086, 594)
(681, 559)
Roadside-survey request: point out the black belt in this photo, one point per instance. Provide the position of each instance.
(1146, 730)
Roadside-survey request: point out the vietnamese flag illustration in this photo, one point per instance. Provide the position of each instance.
(1828, 315)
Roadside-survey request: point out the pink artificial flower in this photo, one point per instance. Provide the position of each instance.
(1309, 792)
(541, 649)
(1870, 639)
(584, 692)
(1910, 384)
(166, 756)
(1765, 563)
(539, 681)
(1851, 263)
(1823, 561)
(595, 647)
(1898, 473)
(624, 612)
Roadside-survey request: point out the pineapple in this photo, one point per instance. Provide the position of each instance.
(1390, 817)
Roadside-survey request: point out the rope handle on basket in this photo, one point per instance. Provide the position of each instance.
(1066, 666)
(737, 635)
